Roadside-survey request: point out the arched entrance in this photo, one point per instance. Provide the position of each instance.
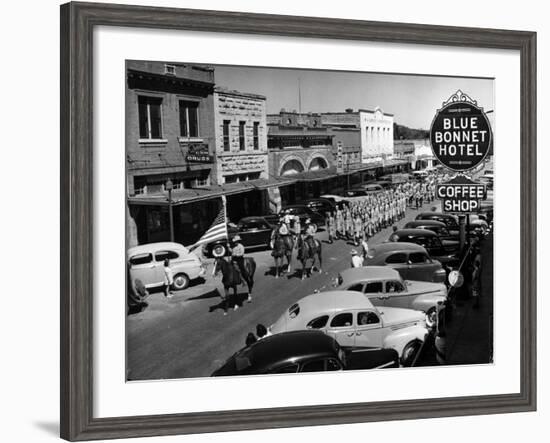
(317, 164)
(292, 167)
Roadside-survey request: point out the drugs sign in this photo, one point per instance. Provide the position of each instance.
(460, 134)
(461, 195)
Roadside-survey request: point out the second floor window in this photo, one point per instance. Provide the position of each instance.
(256, 135)
(226, 141)
(241, 136)
(150, 117)
(189, 119)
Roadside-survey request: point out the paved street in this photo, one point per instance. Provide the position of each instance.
(188, 335)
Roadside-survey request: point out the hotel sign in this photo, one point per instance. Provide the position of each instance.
(460, 133)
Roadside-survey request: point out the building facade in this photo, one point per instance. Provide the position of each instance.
(376, 129)
(240, 136)
(170, 126)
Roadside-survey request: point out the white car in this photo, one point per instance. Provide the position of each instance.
(353, 321)
(385, 287)
(146, 263)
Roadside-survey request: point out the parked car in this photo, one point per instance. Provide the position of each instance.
(339, 201)
(146, 263)
(371, 188)
(430, 241)
(254, 232)
(320, 205)
(353, 321)
(303, 351)
(303, 212)
(412, 261)
(385, 184)
(450, 220)
(450, 241)
(384, 286)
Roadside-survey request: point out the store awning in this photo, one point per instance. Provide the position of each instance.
(181, 196)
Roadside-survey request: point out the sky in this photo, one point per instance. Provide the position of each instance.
(413, 99)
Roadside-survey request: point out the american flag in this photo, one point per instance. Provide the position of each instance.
(217, 230)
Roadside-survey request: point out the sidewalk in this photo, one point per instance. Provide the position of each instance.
(469, 338)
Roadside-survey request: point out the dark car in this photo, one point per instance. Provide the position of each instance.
(450, 220)
(303, 351)
(254, 232)
(450, 241)
(428, 240)
(303, 212)
(411, 260)
(320, 205)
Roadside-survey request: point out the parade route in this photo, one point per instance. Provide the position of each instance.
(188, 335)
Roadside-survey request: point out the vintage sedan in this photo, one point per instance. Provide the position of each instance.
(412, 261)
(320, 205)
(353, 321)
(450, 241)
(428, 240)
(385, 287)
(146, 263)
(303, 351)
(450, 220)
(254, 232)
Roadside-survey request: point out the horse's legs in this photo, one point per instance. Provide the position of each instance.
(288, 259)
(236, 306)
(225, 300)
(249, 284)
(320, 262)
(276, 267)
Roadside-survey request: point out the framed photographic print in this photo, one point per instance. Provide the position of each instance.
(273, 221)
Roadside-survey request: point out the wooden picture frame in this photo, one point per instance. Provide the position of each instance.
(77, 23)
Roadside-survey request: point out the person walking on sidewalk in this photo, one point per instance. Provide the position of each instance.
(168, 279)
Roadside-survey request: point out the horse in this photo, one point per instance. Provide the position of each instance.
(282, 246)
(231, 278)
(309, 249)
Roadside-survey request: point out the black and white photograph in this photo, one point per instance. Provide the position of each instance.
(287, 220)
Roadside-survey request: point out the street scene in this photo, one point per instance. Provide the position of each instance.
(267, 241)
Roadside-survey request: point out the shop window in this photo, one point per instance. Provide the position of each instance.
(150, 117)
(256, 134)
(242, 139)
(226, 141)
(189, 118)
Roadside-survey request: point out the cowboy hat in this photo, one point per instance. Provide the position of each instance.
(353, 252)
(237, 238)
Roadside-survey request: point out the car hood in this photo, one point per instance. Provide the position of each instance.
(401, 317)
(423, 287)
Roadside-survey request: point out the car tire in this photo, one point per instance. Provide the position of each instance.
(409, 353)
(181, 281)
(219, 250)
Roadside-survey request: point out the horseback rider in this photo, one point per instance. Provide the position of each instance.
(237, 254)
(281, 230)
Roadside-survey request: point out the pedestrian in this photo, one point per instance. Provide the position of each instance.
(356, 260)
(476, 277)
(330, 227)
(261, 331)
(394, 228)
(168, 279)
(364, 249)
(358, 229)
(250, 339)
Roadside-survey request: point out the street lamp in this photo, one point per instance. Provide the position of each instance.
(169, 186)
